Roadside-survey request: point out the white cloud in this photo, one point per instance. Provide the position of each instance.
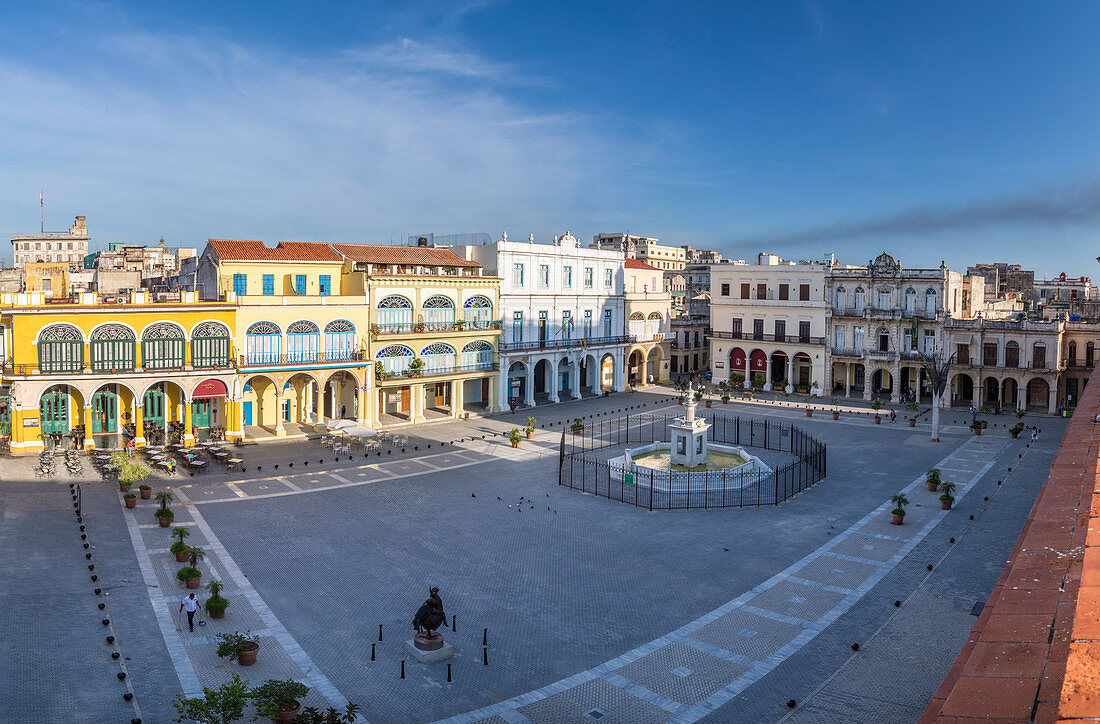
(194, 136)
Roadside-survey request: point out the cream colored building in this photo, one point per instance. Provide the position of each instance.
(768, 324)
(648, 310)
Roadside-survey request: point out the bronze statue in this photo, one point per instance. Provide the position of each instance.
(428, 618)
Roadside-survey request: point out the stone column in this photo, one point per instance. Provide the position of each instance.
(767, 373)
(618, 370)
(979, 393)
(528, 386)
(895, 384)
(139, 426)
(308, 403)
(575, 381)
(280, 431)
(188, 438)
(555, 382)
(362, 416)
(503, 392)
(416, 402)
(234, 425)
(494, 394)
(457, 397)
(1052, 398)
(1021, 396)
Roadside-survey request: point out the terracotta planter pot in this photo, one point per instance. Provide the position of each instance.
(194, 582)
(286, 716)
(725, 402)
(515, 444)
(530, 434)
(131, 502)
(708, 403)
(977, 431)
(836, 415)
(183, 556)
(146, 494)
(809, 413)
(985, 424)
(945, 506)
(218, 615)
(897, 519)
(912, 423)
(878, 420)
(164, 522)
(124, 487)
(933, 487)
(1014, 434)
(248, 656)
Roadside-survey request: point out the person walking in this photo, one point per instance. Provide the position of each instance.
(190, 604)
(512, 404)
(1034, 434)
(893, 416)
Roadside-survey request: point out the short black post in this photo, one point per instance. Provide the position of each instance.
(379, 632)
(448, 673)
(454, 626)
(372, 652)
(402, 668)
(485, 656)
(485, 637)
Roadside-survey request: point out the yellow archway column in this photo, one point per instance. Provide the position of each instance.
(363, 416)
(280, 431)
(139, 426)
(416, 403)
(234, 424)
(188, 438)
(18, 433)
(89, 441)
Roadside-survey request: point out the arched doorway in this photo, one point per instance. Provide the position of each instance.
(1010, 393)
(802, 371)
(61, 417)
(962, 390)
(780, 378)
(653, 365)
(882, 382)
(162, 413)
(1038, 394)
(758, 367)
(517, 382)
(636, 366)
(737, 362)
(341, 401)
(607, 372)
(992, 393)
(301, 398)
(259, 406)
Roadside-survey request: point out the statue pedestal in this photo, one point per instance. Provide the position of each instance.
(445, 651)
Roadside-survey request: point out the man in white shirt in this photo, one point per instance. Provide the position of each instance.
(190, 604)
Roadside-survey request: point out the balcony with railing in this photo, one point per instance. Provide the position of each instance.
(846, 352)
(421, 327)
(565, 343)
(884, 313)
(887, 354)
(433, 371)
(285, 359)
(919, 314)
(850, 310)
(782, 338)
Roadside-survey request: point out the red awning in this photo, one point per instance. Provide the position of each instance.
(210, 388)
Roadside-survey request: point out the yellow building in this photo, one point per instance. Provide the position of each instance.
(434, 325)
(93, 374)
(301, 339)
(52, 278)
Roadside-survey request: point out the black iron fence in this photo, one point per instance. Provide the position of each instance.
(581, 469)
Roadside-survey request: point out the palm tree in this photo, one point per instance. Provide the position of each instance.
(215, 588)
(164, 497)
(196, 554)
(900, 501)
(180, 532)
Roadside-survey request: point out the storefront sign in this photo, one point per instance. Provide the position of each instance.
(30, 422)
(210, 388)
(393, 397)
(719, 365)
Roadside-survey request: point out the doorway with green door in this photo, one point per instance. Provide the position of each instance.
(55, 415)
(105, 416)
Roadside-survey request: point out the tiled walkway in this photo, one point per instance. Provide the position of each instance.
(690, 672)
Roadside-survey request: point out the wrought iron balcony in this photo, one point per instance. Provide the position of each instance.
(429, 327)
(299, 358)
(564, 343)
(846, 352)
(383, 375)
(784, 338)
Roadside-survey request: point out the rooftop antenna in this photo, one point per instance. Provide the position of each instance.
(42, 211)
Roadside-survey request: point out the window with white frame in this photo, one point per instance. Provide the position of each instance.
(544, 275)
(608, 278)
(567, 277)
(517, 275)
(588, 276)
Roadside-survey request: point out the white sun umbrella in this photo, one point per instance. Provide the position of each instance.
(340, 424)
(359, 431)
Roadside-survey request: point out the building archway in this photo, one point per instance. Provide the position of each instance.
(991, 393)
(802, 371)
(517, 382)
(607, 372)
(542, 377)
(259, 405)
(636, 367)
(882, 382)
(61, 417)
(779, 368)
(340, 399)
(738, 362)
(758, 365)
(653, 364)
(1038, 394)
(1010, 393)
(962, 389)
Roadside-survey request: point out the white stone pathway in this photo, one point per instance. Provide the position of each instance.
(690, 672)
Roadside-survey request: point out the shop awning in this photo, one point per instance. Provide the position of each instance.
(210, 388)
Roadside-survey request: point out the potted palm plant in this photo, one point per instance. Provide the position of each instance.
(164, 514)
(577, 426)
(190, 574)
(725, 399)
(876, 405)
(530, 429)
(932, 479)
(809, 411)
(216, 604)
(914, 408)
(1016, 429)
(984, 410)
(237, 646)
(836, 407)
(279, 700)
(309, 715)
(514, 437)
(178, 548)
(976, 426)
(946, 498)
(900, 501)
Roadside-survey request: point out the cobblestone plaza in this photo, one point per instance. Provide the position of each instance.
(591, 609)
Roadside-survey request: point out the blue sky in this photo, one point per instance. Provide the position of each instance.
(933, 130)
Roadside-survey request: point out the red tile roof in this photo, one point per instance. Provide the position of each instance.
(249, 250)
(635, 264)
(411, 255)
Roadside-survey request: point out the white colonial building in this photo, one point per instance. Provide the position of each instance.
(562, 311)
(768, 324)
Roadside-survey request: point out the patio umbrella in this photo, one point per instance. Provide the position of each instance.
(340, 424)
(359, 431)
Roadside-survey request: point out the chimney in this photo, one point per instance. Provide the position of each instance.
(422, 241)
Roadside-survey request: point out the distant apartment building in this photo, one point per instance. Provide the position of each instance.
(1061, 288)
(690, 347)
(701, 256)
(645, 249)
(767, 324)
(52, 247)
(1003, 280)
